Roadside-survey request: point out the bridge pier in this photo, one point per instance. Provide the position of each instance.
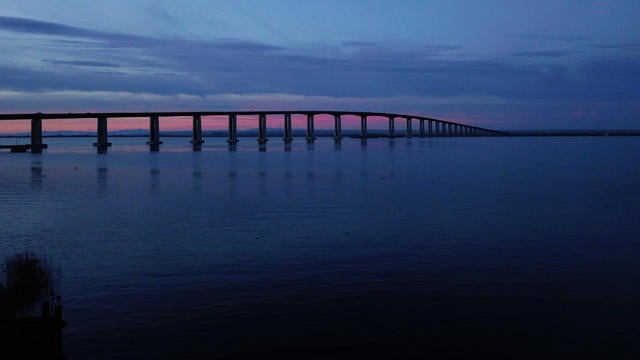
(337, 127)
(409, 127)
(392, 126)
(430, 128)
(450, 130)
(102, 142)
(154, 133)
(262, 128)
(36, 136)
(363, 126)
(421, 127)
(287, 129)
(233, 130)
(310, 128)
(196, 139)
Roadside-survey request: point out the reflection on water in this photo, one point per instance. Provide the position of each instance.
(36, 176)
(413, 244)
(102, 175)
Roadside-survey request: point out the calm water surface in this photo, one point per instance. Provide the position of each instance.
(509, 246)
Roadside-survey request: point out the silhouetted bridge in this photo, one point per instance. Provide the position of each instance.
(429, 127)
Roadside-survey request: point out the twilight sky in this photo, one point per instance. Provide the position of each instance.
(506, 64)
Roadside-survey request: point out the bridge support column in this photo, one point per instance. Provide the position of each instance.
(154, 133)
(102, 142)
(409, 131)
(262, 128)
(337, 127)
(287, 128)
(310, 128)
(363, 126)
(392, 126)
(233, 130)
(36, 136)
(196, 139)
(430, 128)
(421, 127)
(450, 130)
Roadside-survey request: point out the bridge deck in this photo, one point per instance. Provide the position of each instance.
(95, 115)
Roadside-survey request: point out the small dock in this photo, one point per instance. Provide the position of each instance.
(19, 148)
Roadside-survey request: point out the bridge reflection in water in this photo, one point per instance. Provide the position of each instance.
(429, 127)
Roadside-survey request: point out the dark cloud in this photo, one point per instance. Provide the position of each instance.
(440, 48)
(357, 43)
(22, 25)
(238, 45)
(82, 63)
(136, 64)
(551, 37)
(624, 46)
(546, 53)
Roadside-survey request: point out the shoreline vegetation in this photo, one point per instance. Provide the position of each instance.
(30, 312)
(28, 281)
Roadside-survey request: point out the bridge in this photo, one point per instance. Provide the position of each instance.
(428, 127)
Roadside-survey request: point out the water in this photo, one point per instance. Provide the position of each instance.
(523, 247)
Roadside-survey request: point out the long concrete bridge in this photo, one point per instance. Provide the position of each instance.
(429, 127)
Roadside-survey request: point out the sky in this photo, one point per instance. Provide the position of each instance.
(503, 64)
